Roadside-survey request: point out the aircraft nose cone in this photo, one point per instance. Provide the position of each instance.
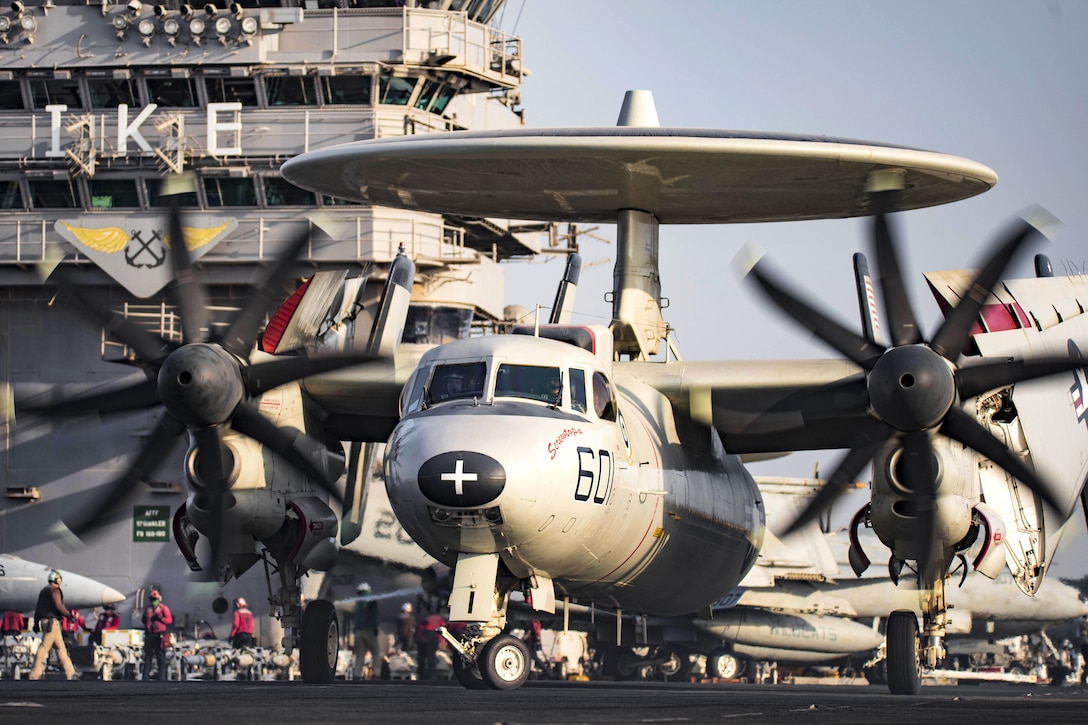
(112, 596)
(461, 479)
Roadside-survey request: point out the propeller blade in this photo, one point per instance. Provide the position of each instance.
(213, 467)
(917, 470)
(961, 427)
(978, 379)
(144, 394)
(192, 305)
(298, 450)
(844, 476)
(847, 343)
(902, 327)
(120, 493)
(262, 377)
(956, 328)
(242, 334)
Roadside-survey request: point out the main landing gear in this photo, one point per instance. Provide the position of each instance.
(908, 649)
(315, 631)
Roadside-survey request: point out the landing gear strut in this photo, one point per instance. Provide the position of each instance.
(315, 632)
(485, 657)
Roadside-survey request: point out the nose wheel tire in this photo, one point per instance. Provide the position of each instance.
(468, 674)
(504, 663)
(319, 645)
(724, 665)
(904, 665)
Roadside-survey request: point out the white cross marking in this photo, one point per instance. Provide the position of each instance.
(459, 477)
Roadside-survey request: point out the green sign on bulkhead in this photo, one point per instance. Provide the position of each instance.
(151, 523)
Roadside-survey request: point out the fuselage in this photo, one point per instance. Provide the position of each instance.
(569, 469)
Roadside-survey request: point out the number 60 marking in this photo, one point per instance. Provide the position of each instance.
(594, 480)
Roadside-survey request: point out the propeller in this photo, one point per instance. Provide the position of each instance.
(203, 385)
(911, 388)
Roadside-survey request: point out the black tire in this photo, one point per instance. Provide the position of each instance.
(467, 674)
(904, 666)
(723, 664)
(504, 662)
(319, 644)
(628, 665)
(676, 666)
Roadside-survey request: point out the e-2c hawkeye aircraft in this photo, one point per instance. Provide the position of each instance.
(567, 462)
(570, 464)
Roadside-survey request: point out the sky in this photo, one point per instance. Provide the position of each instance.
(1000, 82)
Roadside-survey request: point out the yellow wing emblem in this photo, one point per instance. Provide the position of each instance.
(197, 237)
(109, 240)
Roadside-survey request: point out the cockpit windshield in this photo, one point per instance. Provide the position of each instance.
(463, 380)
(535, 382)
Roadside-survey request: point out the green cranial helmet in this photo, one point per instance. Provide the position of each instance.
(54, 577)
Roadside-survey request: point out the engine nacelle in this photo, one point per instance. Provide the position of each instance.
(893, 507)
(315, 545)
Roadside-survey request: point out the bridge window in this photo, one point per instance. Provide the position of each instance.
(53, 194)
(11, 96)
(112, 92)
(535, 382)
(113, 193)
(337, 201)
(10, 196)
(187, 200)
(227, 191)
(452, 382)
(172, 92)
(54, 92)
(291, 90)
(436, 324)
(278, 191)
(395, 91)
(339, 90)
(231, 90)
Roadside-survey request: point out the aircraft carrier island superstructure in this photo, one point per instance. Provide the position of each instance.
(100, 101)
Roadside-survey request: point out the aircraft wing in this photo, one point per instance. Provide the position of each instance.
(1036, 317)
(761, 406)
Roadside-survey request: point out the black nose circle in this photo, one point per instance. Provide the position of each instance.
(461, 479)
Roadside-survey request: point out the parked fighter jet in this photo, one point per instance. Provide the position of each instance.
(800, 612)
(22, 580)
(565, 461)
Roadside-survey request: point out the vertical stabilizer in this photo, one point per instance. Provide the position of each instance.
(870, 318)
(564, 296)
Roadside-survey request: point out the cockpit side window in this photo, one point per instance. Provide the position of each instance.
(535, 382)
(603, 403)
(411, 398)
(451, 382)
(578, 400)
